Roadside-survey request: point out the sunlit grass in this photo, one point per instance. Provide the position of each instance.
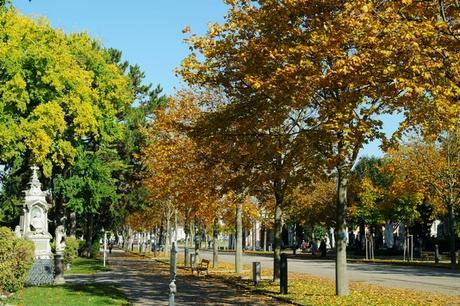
(70, 294)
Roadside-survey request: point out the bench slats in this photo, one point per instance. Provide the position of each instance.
(203, 266)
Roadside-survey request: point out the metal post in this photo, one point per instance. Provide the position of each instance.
(283, 274)
(256, 273)
(372, 247)
(436, 253)
(367, 252)
(404, 248)
(192, 260)
(186, 259)
(105, 246)
(172, 273)
(411, 247)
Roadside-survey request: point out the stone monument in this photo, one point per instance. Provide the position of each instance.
(33, 225)
(60, 239)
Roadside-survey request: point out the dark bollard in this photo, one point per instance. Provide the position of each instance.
(186, 259)
(59, 269)
(436, 253)
(283, 274)
(256, 273)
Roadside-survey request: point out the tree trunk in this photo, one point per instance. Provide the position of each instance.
(175, 226)
(453, 257)
(168, 232)
(196, 238)
(89, 235)
(265, 238)
(73, 224)
(254, 236)
(215, 245)
(341, 280)
(239, 237)
(279, 197)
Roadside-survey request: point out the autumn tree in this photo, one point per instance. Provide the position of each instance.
(367, 195)
(343, 63)
(177, 172)
(313, 204)
(266, 143)
(429, 170)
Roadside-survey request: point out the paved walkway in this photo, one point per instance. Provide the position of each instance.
(145, 282)
(423, 279)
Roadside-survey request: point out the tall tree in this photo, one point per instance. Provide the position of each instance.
(430, 169)
(58, 93)
(338, 65)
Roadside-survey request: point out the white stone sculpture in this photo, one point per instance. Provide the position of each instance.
(60, 239)
(34, 222)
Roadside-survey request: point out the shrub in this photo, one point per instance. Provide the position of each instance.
(82, 249)
(84, 252)
(53, 246)
(16, 259)
(71, 250)
(95, 249)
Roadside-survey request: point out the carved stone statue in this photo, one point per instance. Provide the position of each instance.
(17, 231)
(60, 239)
(37, 220)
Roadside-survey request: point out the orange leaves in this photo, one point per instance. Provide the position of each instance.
(314, 203)
(429, 168)
(177, 172)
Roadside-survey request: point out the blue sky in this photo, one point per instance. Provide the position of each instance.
(148, 32)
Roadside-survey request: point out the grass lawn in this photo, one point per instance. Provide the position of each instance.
(70, 294)
(86, 266)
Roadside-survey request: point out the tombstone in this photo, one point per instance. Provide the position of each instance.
(34, 226)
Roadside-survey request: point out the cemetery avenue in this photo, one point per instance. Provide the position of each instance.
(229, 152)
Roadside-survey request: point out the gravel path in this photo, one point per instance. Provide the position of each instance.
(145, 282)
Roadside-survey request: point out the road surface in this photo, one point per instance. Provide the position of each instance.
(424, 279)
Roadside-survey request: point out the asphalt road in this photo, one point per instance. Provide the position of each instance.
(424, 279)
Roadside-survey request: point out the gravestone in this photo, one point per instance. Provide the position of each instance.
(33, 225)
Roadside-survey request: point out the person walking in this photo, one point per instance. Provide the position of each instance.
(322, 248)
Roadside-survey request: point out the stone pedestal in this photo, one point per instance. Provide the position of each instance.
(41, 273)
(59, 269)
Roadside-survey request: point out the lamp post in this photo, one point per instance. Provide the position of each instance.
(105, 245)
(172, 274)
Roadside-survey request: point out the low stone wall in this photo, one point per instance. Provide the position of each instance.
(41, 273)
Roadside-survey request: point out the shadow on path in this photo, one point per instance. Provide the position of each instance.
(146, 282)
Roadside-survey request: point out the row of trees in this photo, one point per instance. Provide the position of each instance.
(75, 109)
(284, 94)
(282, 97)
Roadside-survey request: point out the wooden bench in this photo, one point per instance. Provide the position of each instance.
(427, 256)
(203, 266)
